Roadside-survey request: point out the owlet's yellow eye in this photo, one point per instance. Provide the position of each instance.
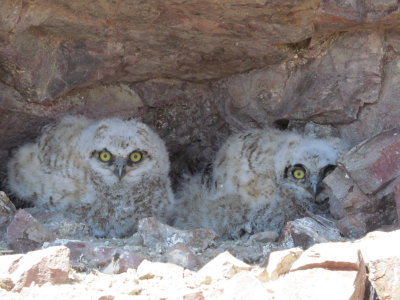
(135, 156)
(299, 173)
(105, 156)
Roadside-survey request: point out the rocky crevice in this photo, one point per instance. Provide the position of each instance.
(197, 71)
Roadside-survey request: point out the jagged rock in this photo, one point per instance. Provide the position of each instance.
(345, 195)
(383, 261)
(38, 267)
(370, 121)
(353, 226)
(334, 87)
(335, 270)
(161, 236)
(363, 189)
(86, 255)
(7, 209)
(25, 233)
(280, 262)
(181, 255)
(375, 162)
(331, 256)
(308, 231)
(224, 266)
(64, 225)
(245, 286)
(384, 274)
(122, 262)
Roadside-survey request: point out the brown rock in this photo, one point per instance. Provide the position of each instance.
(308, 231)
(365, 11)
(363, 189)
(280, 262)
(129, 260)
(353, 225)
(121, 263)
(158, 235)
(345, 197)
(79, 252)
(375, 162)
(6, 284)
(25, 233)
(43, 266)
(183, 256)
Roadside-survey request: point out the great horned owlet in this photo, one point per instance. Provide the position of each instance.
(260, 179)
(108, 173)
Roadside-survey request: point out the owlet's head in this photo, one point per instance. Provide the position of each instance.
(307, 164)
(119, 150)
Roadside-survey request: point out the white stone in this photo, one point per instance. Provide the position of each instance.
(224, 266)
(245, 286)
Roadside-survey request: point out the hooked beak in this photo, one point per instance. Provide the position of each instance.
(120, 164)
(315, 187)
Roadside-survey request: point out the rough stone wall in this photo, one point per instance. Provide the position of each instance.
(198, 70)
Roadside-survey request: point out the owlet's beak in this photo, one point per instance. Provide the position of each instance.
(315, 187)
(120, 164)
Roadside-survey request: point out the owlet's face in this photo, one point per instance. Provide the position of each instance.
(308, 179)
(123, 151)
(119, 164)
(306, 169)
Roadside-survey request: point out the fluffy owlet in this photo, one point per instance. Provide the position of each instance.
(108, 173)
(260, 179)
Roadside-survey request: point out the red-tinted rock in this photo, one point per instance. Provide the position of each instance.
(308, 231)
(345, 197)
(375, 162)
(364, 189)
(121, 263)
(39, 267)
(182, 255)
(25, 233)
(86, 255)
(161, 236)
(353, 225)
